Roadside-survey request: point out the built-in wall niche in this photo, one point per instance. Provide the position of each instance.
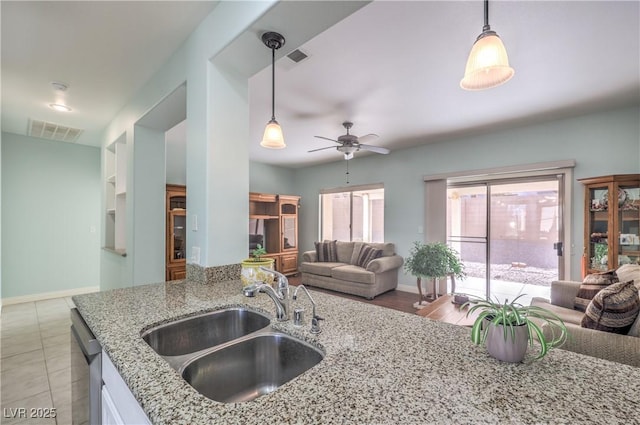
(115, 178)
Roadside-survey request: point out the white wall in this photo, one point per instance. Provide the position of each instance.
(601, 143)
(50, 216)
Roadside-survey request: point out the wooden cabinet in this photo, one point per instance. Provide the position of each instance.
(273, 223)
(611, 221)
(176, 232)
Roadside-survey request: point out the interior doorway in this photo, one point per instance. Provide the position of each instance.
(509, 234)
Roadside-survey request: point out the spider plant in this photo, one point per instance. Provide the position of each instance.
(508, 315)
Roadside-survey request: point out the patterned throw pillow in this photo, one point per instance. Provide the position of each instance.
(326, 252)
(613, 309)
(367, 254)
(591, 285)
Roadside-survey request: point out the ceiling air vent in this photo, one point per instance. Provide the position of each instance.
(297, 55)
(51, 131)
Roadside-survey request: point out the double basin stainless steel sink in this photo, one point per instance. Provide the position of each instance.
(231, 355)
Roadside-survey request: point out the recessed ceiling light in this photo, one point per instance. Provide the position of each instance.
(59, 107)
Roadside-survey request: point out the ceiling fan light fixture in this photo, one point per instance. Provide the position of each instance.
(488, 63)
(59, 107)
(273, 137)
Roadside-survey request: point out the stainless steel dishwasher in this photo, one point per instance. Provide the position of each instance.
(86, 373)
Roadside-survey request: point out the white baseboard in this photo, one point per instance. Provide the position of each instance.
(407, 288)
(48, 295)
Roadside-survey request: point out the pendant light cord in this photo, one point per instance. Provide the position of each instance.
(273, 83)
(486, 26)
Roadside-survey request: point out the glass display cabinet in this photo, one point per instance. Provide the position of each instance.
(176, 263)
(612, 222)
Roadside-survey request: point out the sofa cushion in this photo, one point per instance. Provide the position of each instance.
(567, 315)
(591, 285)
(344, 251)
(367, 253)
(613, 309)
(326, 251)
(353, 274)
(322, 269)
(635, 328)
(629, 272)
(387, 248)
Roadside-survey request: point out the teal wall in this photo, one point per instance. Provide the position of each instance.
(265, 178)
(50, 216)
(600, 143)
(216, 104)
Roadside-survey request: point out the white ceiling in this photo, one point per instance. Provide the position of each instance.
(392, 67)
(104, 50)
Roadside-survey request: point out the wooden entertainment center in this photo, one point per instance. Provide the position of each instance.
(273, 223)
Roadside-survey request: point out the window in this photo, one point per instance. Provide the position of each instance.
(353, 215)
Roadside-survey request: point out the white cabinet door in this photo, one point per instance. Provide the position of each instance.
(123, 408)
(110, 415)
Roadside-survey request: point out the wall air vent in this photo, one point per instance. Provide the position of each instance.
(297, 55)
(51, 131)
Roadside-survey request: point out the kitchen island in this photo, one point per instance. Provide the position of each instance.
(381, 366)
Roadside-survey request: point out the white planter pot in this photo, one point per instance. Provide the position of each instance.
(513, 348)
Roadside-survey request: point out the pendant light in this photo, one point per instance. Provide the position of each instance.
(488, 64)
(273, 138)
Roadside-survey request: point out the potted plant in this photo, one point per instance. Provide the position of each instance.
(251, 272)
(434, 261)
(509, 328)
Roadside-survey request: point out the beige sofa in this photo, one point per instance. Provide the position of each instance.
(605, 345)
(380, 275)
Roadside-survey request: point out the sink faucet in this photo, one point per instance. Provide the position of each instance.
(280, 296)
(315, 319)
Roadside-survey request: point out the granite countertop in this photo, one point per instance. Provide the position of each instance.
(381, 367)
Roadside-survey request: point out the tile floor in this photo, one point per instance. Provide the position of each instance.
(35, 361)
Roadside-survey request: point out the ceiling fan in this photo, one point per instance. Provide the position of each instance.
(350, 143)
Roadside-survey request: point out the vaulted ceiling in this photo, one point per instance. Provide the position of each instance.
(391, 67)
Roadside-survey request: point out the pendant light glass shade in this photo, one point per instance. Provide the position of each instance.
(273, 138)
(488, 64)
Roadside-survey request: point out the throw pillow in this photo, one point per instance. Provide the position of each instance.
(326, 252)
(613, 309)
(591, 285)
(367, 253)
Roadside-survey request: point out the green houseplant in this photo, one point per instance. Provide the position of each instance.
(434, 261)
(251, 272)
(509, 328)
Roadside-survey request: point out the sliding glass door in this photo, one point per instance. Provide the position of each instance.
(509, 235)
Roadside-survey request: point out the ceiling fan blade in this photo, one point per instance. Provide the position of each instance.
(369, 136)
(375, 149)
(321, 149)
(326, 138)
